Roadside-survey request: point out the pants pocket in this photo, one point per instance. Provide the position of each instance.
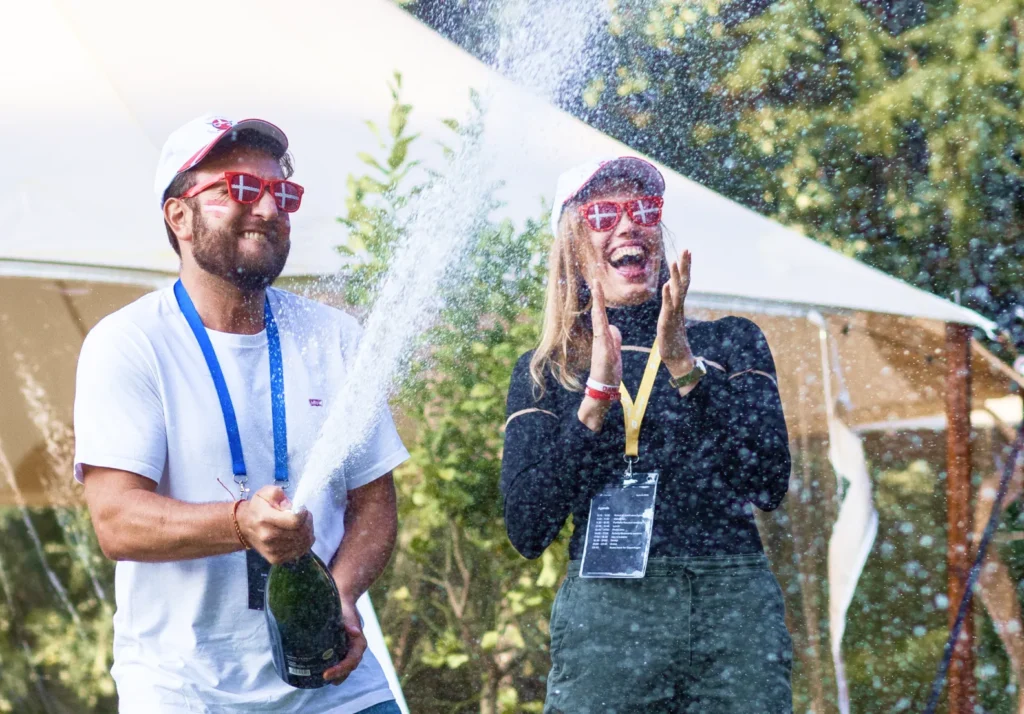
(743, 652)
(617, 647)
(561, 612)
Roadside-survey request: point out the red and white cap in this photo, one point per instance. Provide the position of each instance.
(572, 182)
(190, 144)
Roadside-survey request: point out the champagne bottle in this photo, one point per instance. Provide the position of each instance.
(303, 613)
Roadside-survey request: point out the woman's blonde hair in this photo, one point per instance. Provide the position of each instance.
(566, 333)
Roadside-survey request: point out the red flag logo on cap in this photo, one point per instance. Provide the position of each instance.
(222, 124)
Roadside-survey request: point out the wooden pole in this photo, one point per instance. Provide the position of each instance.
(958, 501)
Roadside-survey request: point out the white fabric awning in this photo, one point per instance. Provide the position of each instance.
(92, 89)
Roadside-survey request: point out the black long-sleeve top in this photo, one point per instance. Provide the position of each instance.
(720, 450)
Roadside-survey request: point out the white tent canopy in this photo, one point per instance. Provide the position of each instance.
(96, 87)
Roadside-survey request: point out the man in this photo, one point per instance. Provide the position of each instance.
(194, 410)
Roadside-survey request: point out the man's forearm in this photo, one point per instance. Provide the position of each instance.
(152, 528)
(371, 525)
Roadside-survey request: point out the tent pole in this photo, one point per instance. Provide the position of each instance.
(958, 497)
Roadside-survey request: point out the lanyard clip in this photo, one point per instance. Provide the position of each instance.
(628, 476)
(243, 487)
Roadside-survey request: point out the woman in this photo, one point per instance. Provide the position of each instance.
(680, 614)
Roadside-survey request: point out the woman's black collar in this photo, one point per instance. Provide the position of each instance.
(637, 323)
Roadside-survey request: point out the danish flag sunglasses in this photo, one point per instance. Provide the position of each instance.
(247, 188)
(605, 215)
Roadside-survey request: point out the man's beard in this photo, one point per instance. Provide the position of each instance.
(216, 252)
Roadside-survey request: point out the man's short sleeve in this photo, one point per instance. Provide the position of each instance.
(382, 452)
(119, 415)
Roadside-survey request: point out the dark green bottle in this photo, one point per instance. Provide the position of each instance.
(303, 613)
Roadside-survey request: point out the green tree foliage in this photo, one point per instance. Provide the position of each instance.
(901, 148)
(375, 201)
(56, 587)
(891, 130)
(465, 615)
(55, 653)
(898, 620)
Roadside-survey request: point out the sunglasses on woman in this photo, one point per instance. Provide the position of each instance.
(602, 216)
(248, 188)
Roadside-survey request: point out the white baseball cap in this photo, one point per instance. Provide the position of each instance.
(190, 144)
(572, 182)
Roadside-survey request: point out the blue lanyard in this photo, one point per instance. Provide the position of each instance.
(188, 309)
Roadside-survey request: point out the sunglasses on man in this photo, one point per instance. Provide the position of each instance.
(248, 189)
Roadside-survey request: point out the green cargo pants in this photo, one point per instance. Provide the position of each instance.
(694, 636)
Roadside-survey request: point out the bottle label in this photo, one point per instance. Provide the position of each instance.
(302, 664)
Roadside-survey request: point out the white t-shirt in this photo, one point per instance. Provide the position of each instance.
(184, 638)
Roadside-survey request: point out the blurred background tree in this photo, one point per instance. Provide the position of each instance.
(56, 610)
(465, 615)
(891, 130)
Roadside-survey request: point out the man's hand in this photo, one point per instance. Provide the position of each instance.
(672, 341)
(269, 526)
(371, 524)
(356, 644)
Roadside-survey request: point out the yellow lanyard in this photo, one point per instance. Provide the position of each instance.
(633, 412)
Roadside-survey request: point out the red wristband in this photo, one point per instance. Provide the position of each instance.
(602, 395)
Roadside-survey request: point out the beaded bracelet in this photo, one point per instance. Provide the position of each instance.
(238, 531)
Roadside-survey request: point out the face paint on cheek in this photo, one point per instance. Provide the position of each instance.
(217, 208)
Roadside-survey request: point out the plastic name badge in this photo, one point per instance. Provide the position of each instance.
(619, 529)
